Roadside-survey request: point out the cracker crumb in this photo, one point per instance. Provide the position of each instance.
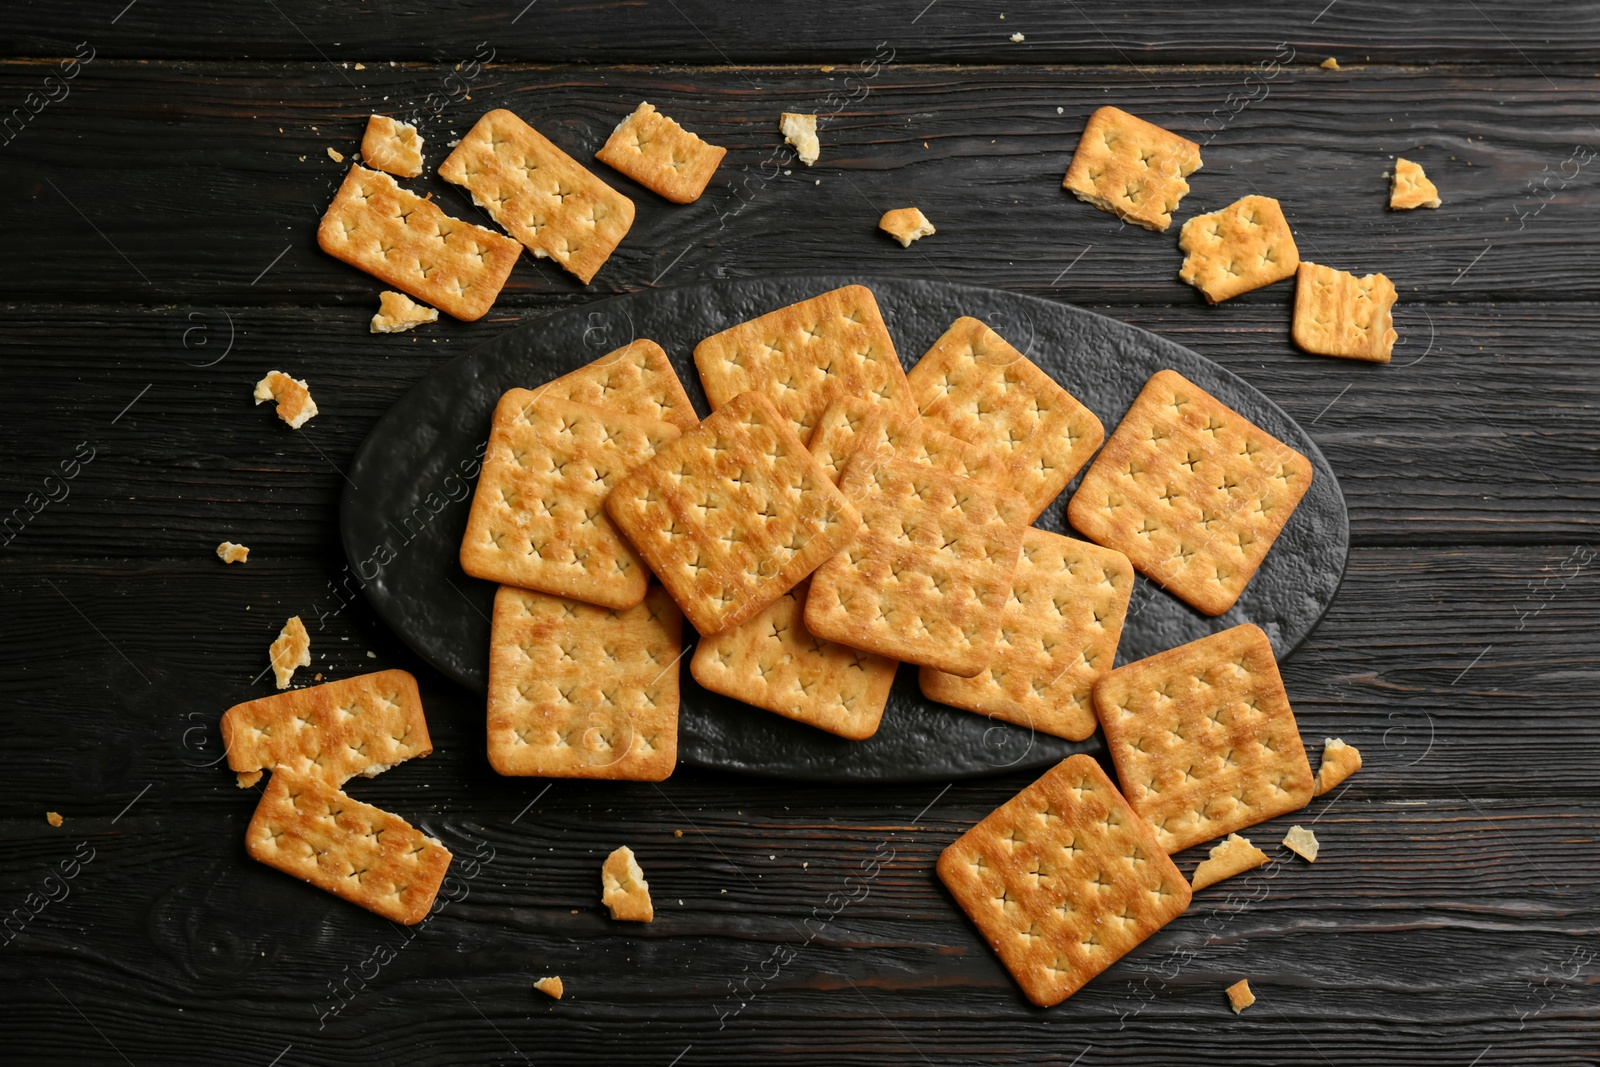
(295, 405)
(827, 68)
(1061, 111)
(1330, 64)
(1239, 995)
(1339, 761)
(905, 224)
(677, 833)
(337, 157)
(228, 552)
(371, 654)
(551, 985)
(397, 313)
(361, 66)
(53, 818)
(801, 131)
(292, 649)
(1303, 843)
(317, 677)
(1411, 187)
(623, 888)
(1017, 38)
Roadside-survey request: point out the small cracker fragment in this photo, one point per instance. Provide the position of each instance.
(228, 552)
(804, 356)
(397, 313)
(660, 155)
(291, 649)
(1203, 737)
(362, 725)
(1132, 168)
(636, 379)
(394, 147)
(1339, 761)
(1411, 188)
(1233, 856)
(401, 239)
(543, 197)
(774, 662)
(974, 385)
(308, 828)
(1239, 995)
(538, 519)
(1063, 880)
(801, 131)
(733, 514)
(1190, 491)
(623, 888)
(906, 224)
(337, 157)
(579, 691)
(53, 818)
(1303, 843)
(551, 986)
(1244, 246)
(295, 405)
(1338, 314)
(1329, 64)
(851, 425)
(926, 580)
(1058, 635)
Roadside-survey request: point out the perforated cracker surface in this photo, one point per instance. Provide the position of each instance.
(803, 356)
(1203, 737)
(332, 732)
(851, 425)
(392, 146)
(537, 517)
(542, 196)
(733, 514)
(927, 579)
(311, 830)
(636, 379)
(1058, 635)
(774, 662)
(402, 239)
(1191, 492)
(1242, 247)
(1063, 880)
(579, 691)
(1131, 168)
(1338, 314)
(973, 385)
(660, 155)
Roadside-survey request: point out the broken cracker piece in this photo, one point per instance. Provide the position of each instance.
(337, 157)
(1233, 856)
(1239, 995)
(397, 313)
(228, 552)
(551, 985)
(1329, 64)
(801, 131)
(1339, 761)
(623, 888)
(295, 405)
(1244, 246)
(392, 147)
(906, 224)
(661, 155)
(1338, 314)
(1131, 168)
(53, 818)
(292, 649)
(1411, 187)
(1303, 843)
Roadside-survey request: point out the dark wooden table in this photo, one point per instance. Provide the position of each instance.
(159, 202)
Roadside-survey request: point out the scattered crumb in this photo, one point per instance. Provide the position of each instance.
(623, 888)
(397, 313)
(361, 66)
(905, 224)
(1017, 38)
(1411, 187)
(551, 985)
(801, 131)
(295, 405)
(677, 833)
(1303, 843)
(803, 866)
(228, 552)
(1239, 995)
(1061, 111)
(292, 649)
(318, 676)
(826, 68)
(1339, 761)
(371, 654)
(53, 818)
(337, 157)
(1330, 64)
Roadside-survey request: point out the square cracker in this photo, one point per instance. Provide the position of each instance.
(851, 425)
(733, 514)
(926, 580)
(537, 517)
(1058, 635)
(331, 732)
(542, 196)
(803, 356)
(660, 155)
(399, 238)
(308, 828)
(774, 662)
(1203, 737)
(636, 379)
(1063, 880)
(1242, 247)
(579, 691)
(1338, 314)
(1190, 491)
(1132, 168)
(973, 385)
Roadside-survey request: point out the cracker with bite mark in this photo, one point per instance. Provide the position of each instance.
(1131, 168)
(394, 147)
(1338, 314)
(851, 425)
(660, 155)
(1244, 246)
(636, 379)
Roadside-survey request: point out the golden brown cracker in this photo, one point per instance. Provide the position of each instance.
(1338, 314)
(406, 241)
(1411, 187)
(973, 385)
(1063, 880)
(1203, 737)
(926, 580)
(906, 224)
(803, 356)
(538, 520)
(733, 514)
(1190, 491)
(623, 888)
(580, 691)
(1233, 856)
(539, 194)
(636, 379)
(851, 425)
(1244, 246)
(308, 828)
(1339, 761)
(1132, 168)
(774, 662)
(394, 147)
(660, 155)
(1058, 635)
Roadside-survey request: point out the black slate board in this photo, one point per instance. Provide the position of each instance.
(405, 508)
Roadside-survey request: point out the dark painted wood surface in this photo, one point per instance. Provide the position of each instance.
(160, 209)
